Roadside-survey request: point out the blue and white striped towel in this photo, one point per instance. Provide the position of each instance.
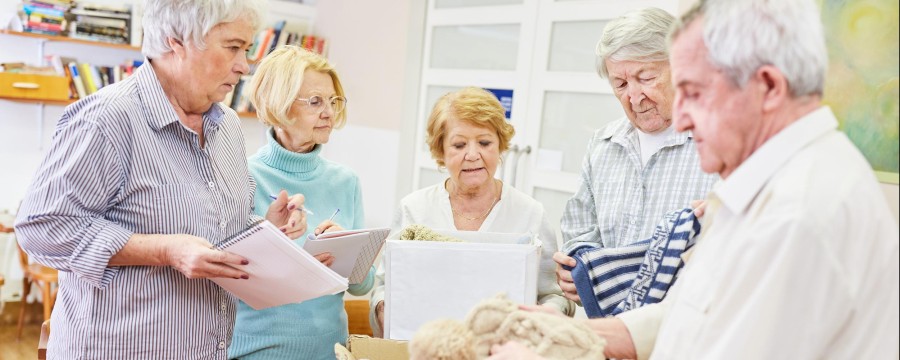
(612, 280)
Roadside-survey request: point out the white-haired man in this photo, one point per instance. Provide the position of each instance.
(799, 258)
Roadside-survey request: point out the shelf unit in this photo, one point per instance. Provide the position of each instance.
(51, 38)
(67, 102)
(68, 39)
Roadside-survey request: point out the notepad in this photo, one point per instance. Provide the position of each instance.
(354, 251)
(280, 272)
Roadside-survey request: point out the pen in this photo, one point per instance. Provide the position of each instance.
(273, 197)
(313, 235)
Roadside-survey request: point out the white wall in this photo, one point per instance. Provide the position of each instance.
(369, 46)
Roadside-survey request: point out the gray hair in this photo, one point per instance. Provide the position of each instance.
(638, 35)
(189, 21)
(743, 35)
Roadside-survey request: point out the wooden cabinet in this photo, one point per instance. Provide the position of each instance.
(34, 87)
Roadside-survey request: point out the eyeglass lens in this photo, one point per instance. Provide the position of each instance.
(318, 103)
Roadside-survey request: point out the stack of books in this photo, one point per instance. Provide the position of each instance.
(46, 17)
(86, 79)
(277, 36)
(107, 23)
(265, 42)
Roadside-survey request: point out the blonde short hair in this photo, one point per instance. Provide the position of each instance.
(278, 79)
(473, 105)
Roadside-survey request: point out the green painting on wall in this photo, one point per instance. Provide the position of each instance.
(862, 83)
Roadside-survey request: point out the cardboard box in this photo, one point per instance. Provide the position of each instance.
(365, 347)
(427, 280)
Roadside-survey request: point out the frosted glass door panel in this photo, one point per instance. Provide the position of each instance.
(434, 93)
(554, 204)
(428, 177)
(475, 47)
(442, 4)
(569, 121)
(573, 44)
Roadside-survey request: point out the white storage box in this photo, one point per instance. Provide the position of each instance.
(426, 280)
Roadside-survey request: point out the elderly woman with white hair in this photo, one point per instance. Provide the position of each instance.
(299, 95)
(637, 168)
(143, 180)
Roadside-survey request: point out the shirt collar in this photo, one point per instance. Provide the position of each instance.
(739, 190)
(157, 107)
(621, 131)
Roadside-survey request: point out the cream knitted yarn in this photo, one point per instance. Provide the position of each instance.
(422, 232)
(442, 339)
(498, 320)
(341, 353)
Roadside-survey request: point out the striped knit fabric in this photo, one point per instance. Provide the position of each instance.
(613, 280)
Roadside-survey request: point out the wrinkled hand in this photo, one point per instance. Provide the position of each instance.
(699, 207)
(327, 226)
(379, 314)
(196, 258)
(512, 350)
(325, 258)
(564, 277)
(285, 212)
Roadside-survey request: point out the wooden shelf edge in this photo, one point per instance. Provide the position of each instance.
(241, 114)
(68, 39)
(39, 101)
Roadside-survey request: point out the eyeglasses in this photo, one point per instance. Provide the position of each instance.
(317, 103)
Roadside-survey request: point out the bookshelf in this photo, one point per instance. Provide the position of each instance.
(68, 40)
(242, 114)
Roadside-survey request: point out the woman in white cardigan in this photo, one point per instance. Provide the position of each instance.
(467, 134)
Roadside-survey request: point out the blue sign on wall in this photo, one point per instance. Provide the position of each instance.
(505, 97)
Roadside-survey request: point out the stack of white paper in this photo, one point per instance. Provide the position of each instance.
(354, 251)
(280, 272)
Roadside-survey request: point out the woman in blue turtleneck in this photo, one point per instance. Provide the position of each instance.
(300, 95)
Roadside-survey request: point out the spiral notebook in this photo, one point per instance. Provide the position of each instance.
(280, 272)
(354, 251)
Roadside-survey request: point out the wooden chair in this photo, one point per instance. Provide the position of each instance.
(45, 337)
(358, 317)
(45, 277)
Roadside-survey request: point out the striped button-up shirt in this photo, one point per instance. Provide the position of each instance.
(620, 201)
(122, 163)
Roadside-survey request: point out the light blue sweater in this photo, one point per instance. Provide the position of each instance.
(310, 329)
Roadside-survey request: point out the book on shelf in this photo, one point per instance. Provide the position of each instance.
(75, 79)
(84, 78)
(45, 17)
(106, 23)
(280, 34)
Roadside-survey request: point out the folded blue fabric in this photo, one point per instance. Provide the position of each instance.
(613, 280)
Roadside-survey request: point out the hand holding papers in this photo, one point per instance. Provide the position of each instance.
(354, 251)
(280, 272)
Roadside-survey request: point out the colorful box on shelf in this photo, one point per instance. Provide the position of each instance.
(35, 87)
